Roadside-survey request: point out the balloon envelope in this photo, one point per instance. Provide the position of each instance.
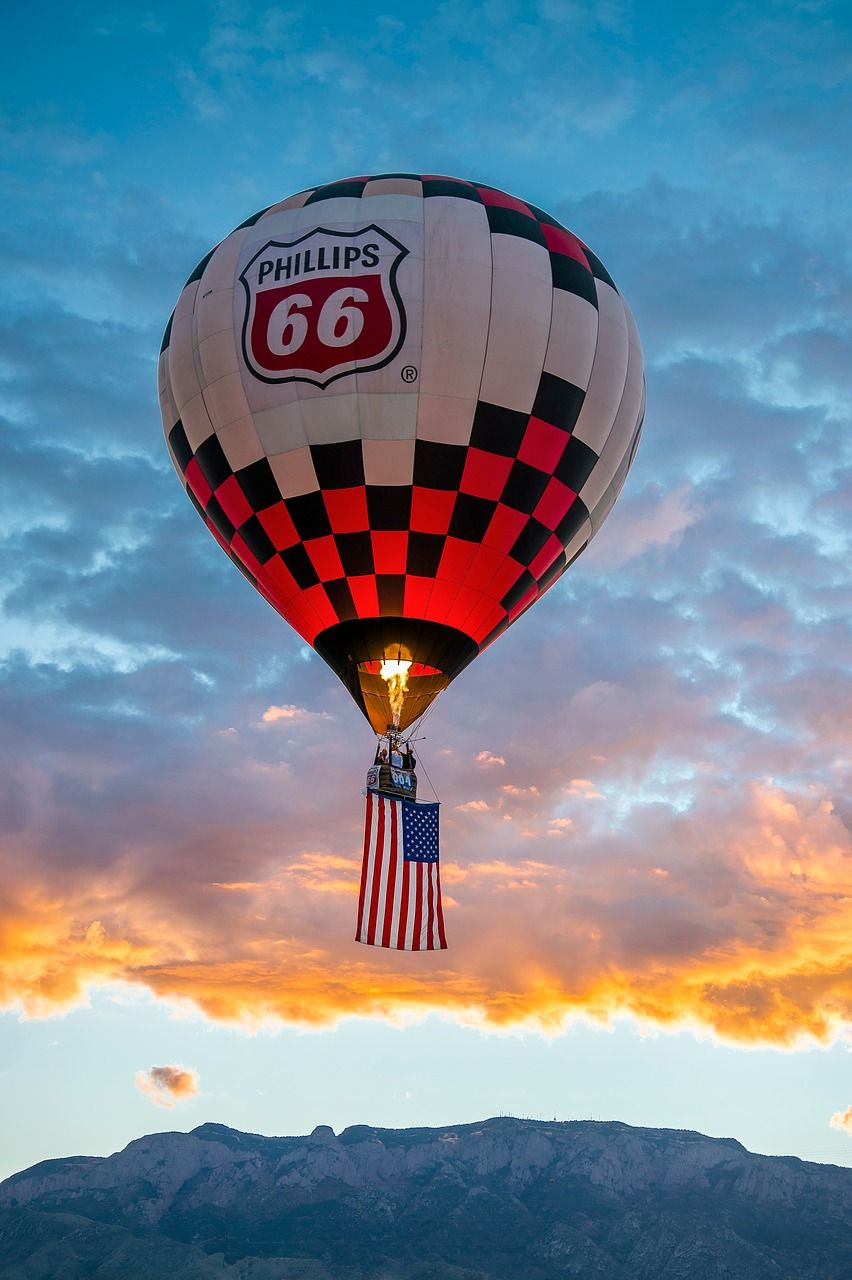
(403, 405)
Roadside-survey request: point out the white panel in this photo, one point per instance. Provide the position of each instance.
(168, 408)
(609, 371)
(573, 338)
(447, 419)
(521, 294)
(393, 187)
(581, 536)
(330, 419)
(214, 313)
(292, 202)
(388, 417)
(221, 270)
(241, 444)
(163, 370)
(217, 356)
(281, 429)
(294, 473)
(388, 461)
(456, 230)
(226, 400)
(196, 421)
(183, 375)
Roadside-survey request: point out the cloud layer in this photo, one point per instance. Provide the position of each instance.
(646, 781)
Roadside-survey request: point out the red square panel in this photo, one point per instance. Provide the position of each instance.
(417, 593)
(522, 603)
(542, 445)
(278, 579)
(315, 596)
(390, 550)
(456, 559)
(431, 509)
(347, 509)
(490, 196)
(553, 503)
(195, 481)
(483, 567)
(485, 474)
(277, 523)
(247, 557)
(325, 558)
(483, 618)
(234, 502)
(365, 595)
(442, 597)
(504, 528)
(505, 577)
(461, 607)
(560, 241)
(551, 549)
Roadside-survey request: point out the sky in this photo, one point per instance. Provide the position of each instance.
(646, 850)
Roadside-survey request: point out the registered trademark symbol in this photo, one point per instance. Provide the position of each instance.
(409, 373)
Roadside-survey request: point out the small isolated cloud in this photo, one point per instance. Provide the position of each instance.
(487, 758)
(292, 713)
(167, 1085)
(473, 806)
(842, 1120)
(584, 788)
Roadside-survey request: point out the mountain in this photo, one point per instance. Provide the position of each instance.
(502, 1199)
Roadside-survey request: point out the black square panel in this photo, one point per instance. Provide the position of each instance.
(573, 277)
(181, 447)
(338, 466)
(258, 483)
(529, 542)
(598, 269)
(335, 189)
(309, 515)
(167, 333)
(558, 402)
(498, 430)
(217, 517)
(560, 564)
(449, 187)
(438, 466)
(519, 590)
(389, 506)
(391, 591)
(571, 521)
(424, 553)
(576, 464)
(298, 562)
(509, 222)
(356, 553)
(471, 517)
(214, 465)
(524, 487)
(257, 539)
(341, 599)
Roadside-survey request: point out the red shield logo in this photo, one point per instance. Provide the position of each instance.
(323, 306)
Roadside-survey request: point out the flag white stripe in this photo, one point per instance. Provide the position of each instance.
(369, 871)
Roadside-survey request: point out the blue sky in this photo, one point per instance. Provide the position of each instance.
(666, 841)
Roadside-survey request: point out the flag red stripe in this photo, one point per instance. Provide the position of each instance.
(418, 906)
(368, 827)
(442, 937)
(430, 910)
(377, 871)
(403, 909)
(391, 884)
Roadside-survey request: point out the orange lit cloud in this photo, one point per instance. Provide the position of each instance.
(842, 1120)
(740, 924)
(167, 1085)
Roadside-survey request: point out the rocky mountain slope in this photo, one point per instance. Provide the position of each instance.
(498, 1199)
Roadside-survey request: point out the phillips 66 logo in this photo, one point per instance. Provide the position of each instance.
(323, 306)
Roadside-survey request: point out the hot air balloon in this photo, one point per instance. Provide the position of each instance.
(403, 405)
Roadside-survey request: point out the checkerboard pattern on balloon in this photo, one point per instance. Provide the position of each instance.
(466, 515)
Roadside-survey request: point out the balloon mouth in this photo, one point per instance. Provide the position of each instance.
(419, 659)
(397, 691)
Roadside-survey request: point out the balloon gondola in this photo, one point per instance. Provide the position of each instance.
(403, 405)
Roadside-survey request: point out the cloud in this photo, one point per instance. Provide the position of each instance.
(842, 1120)
(487, 759)
(293, 714)
(167, 1085)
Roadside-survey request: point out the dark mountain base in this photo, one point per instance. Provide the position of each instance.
(500, 1200)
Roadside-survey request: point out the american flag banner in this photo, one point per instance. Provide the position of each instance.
(400, 901)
